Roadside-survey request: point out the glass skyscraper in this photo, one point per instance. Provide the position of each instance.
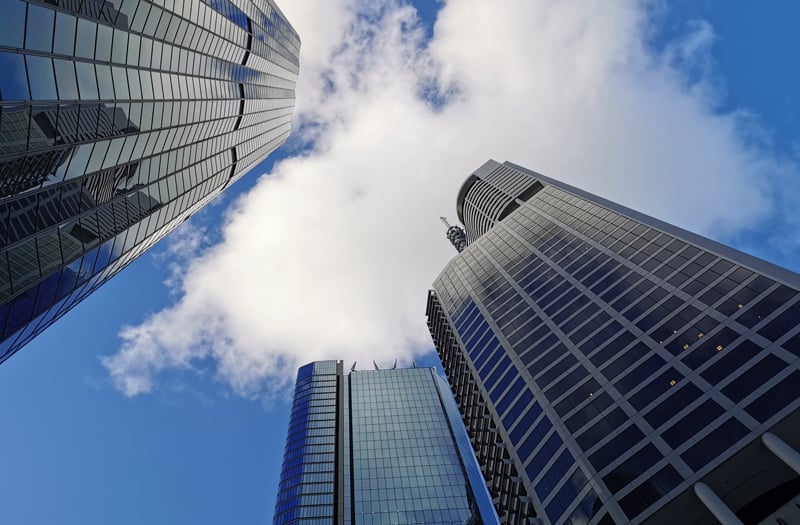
(612, 368)
(378, 447)
(118, 120)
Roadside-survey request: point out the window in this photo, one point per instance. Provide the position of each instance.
(754, 377)
(632, 468)
(775, 399)
(691, 424)
(12, 23)
(39, 36)
(619, 445)
(718, 441)
(13, 81)
(42, 78)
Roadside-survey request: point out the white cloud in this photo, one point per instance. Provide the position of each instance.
(331, 255)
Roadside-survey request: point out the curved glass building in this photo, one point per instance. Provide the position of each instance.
(378, 447)
(612, 368)
(118, 120)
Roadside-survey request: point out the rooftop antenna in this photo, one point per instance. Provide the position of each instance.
(375, 365)
(394, 366)
(456, 235)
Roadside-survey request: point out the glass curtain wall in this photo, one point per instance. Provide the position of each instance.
(118, 120)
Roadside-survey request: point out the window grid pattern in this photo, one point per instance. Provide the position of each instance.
(489, 196)
(596, 306)
(118, 120)
(491, 450)
(307, 489)
(406, 466)
(377, 448)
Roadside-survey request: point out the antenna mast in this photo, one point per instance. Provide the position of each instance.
(456, 235)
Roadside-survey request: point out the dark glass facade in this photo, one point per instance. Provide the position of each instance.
(606, 363)
(377, 448)
(118, 120)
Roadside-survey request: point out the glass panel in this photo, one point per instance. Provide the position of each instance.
(146, 51)
(104, 82)
(113, 152)
(156, 54)
(120, 48)
(13, 81)
(87, 80)
(40, 28)
(43, 82)
(152, 20)
(98, 154)
(133, 49)
(133, 82)
(64, 42)
(103, 48)
(84, 46)
(120, 83)
(77, 166)
(14, 129)
(12, 23)
(65, 77)
(140, 17)
(157, 93)
(167, 85)
(126, 8)
(147, 85)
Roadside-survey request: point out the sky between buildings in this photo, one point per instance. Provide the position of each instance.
(163, 397)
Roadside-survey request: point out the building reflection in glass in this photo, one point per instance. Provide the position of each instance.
(118, 120)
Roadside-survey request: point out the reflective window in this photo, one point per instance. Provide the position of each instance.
(13, 81)
(120, 83)
(650, 491)
(120, 46)
(87, 80)
(775, 399)
(64, 41)
(105, 82)
(39, 35)
(793, 345)
(42, 78)
(632, 468)
(691, 424)
(103, 46)
(714, 444)
(673, 404)
(12, 23)
(782, 324)
(619, 445)
(755, 376)
(85, 43)
(65, 79)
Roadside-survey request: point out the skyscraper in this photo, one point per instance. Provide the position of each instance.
(118, 120)
(377, 447)
(612, 368)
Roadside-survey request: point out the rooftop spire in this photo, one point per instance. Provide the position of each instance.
(456, 235)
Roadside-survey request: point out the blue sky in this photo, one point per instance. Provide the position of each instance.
(198, 449)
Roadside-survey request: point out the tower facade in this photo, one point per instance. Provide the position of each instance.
(118, 120)
(377, 447)
(612, 368)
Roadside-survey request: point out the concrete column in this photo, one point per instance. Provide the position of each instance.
(782, 449)
(715, 505)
